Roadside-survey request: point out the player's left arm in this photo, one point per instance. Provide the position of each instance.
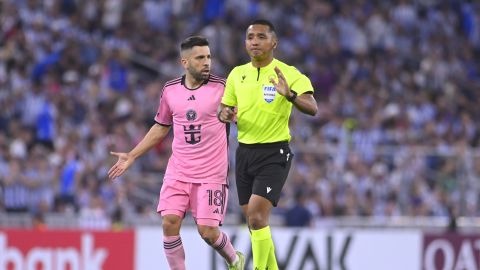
(303, 101)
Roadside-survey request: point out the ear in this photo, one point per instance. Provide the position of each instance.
(183, 61)
(275, 44)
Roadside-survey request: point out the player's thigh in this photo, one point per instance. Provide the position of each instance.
(271, 176)
(209, 203)
(243, 179)
(174, 198)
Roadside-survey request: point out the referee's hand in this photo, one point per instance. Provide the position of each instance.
(226, 115)
(281, 86)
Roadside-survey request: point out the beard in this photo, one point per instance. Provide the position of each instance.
(197, 75)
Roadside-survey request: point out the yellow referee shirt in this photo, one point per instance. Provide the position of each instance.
(263, 114)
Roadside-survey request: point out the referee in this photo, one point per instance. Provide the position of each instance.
(263, 92)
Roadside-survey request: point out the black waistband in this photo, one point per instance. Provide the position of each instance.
(264, 145)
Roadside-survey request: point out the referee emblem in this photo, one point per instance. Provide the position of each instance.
(269, 93)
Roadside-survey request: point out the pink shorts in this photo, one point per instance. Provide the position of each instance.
(207, 202)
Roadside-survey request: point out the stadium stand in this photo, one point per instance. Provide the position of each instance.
(396, 137)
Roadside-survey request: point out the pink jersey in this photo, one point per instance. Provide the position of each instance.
(199, 148)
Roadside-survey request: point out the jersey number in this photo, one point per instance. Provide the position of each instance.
(215, 197)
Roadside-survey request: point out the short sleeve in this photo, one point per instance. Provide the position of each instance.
(301, 83)
(229, 97)
(164, 112)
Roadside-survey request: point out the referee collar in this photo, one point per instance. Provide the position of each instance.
(267, 67)
(264, 69)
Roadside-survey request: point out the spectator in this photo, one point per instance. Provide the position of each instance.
(298, 215)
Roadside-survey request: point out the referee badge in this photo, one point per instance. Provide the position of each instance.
(269, 93)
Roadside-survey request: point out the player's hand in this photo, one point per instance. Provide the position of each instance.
(227, 114)
(123, 163)
(281, 86)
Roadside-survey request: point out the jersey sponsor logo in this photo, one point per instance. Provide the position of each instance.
(192, 134)
(269, 93)
(191, 115)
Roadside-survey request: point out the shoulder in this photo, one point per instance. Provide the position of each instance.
(171, 84)
(216, 79)
(238, 73)
(288, 69)
(241, 69)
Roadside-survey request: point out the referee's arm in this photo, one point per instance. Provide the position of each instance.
(225, 113)
(305, 102)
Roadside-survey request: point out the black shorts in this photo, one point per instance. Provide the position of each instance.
(262, 169)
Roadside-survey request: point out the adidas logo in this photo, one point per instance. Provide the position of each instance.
(216, 211)
(192, 97)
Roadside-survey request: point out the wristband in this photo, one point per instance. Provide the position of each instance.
(292, 97)
(218, 116)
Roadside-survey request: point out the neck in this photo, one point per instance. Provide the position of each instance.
(259, 63)
(191, 82)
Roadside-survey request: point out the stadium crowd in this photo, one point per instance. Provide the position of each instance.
(396, 81)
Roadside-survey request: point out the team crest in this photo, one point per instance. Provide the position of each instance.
(269, 93)
(191, 115)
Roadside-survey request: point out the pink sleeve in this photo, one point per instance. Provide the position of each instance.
(164, 113)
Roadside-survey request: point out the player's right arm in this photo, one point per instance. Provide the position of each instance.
(155, 135)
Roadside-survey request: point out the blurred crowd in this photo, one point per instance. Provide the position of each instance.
(396, 82)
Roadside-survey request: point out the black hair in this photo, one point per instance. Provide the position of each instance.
(193, 41)
(266, 23)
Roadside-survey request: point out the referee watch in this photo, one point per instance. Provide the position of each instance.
(292, 97)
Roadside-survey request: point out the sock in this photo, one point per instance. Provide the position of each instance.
(272, 260)
(261, 245)
(174, 252)
(224, 247)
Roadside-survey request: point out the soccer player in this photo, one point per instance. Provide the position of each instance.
(196, 175)
(263, 92)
